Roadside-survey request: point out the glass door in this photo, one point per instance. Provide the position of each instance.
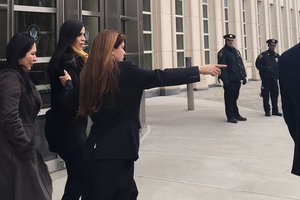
(3, 23)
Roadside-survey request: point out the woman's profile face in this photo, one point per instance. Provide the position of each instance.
(29, 59)
(119, 52)
(80, 40)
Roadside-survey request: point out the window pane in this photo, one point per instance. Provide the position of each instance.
(42, 26)
(178, 4)
(226, 3)
(245, 42)
(44, 3)
(227, 27)
(205, 11)
(205, 26)
(207, 57)
(147, 22)
(92, 27)
(4, 2)
(204, 1)
(179, 24)
(91, 5)
(206, 42)
(148, 61)
(147, 42)
(226, 14)
(179, 39)
(3, 24)
(180, 59)
(146, 5)
(40, 78)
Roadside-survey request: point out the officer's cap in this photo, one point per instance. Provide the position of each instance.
(229, 36)
(272, 41)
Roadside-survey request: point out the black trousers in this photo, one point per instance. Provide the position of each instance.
(231, 95)
(74, 166)
(269, 88)
(109, 180)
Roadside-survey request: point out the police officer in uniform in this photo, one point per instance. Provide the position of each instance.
(267, 64)
(232, 77)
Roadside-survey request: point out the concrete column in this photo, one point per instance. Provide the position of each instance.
(162, 34)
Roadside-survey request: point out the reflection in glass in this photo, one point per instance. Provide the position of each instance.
(207, 57)
(146, 5)
(147, 61)
(179, 39)
(180, 59)
(42, 26)
(3, 2)
(41, 3)
(147, 42)
(147, 22)
(91, 5)
(206, 42)
(179, 24)
(40, 79)
(92, 26)
(3, 24)
(205, 11)
(178, 5)
(205, 26)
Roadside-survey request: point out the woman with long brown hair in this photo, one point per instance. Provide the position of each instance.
(110, 93)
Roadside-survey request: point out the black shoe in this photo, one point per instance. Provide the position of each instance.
(232, 121)
(268, 114)
(277, 114)
(240, 118)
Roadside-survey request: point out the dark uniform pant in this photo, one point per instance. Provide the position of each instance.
(109, 180)
(231, 95)
(270, 88)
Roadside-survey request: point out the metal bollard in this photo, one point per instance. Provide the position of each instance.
(190, 90)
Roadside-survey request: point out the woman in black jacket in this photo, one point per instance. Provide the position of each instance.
(110, 92)
(65, 130)
(23, 174)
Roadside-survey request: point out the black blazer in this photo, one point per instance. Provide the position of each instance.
(289, 76)
(115, 130)
(69, 131)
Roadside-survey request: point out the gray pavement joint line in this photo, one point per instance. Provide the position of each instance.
(204, 156)
(215, 187)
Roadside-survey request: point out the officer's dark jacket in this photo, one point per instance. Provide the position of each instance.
(235, 70)
(267, 64)
(115, 130)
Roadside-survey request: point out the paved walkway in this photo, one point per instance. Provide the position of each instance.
(197, 155)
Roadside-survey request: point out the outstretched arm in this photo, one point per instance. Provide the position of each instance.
(214, 70)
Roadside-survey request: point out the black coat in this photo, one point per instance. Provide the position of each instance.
(23, 174)
(65, 130)
(235, 70)
(115, 130)
(289, 76)
(267, 64)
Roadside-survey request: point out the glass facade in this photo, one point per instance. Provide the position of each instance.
(3, 38)
(41, 3)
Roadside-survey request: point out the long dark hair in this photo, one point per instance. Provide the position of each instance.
(18, 46)
(68, 32)
(98, 78)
